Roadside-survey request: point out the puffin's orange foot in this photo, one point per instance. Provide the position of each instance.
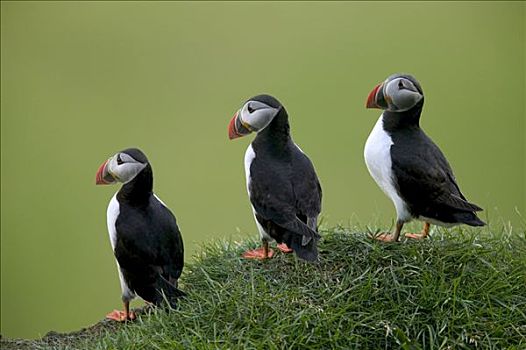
(121, 316)
(386, 237)
(284, 248)
(420, 235)
(423, 234)
(258, 254)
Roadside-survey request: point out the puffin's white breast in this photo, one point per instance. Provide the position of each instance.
(111, 217)
(377, 154)
(250, 155)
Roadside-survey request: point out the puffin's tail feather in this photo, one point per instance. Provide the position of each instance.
(302, 239)
(167, 292)
(307, 252)
(469, 218)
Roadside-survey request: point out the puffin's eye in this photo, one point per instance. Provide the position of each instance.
(250, 109)
(119, 160)
(400, 85)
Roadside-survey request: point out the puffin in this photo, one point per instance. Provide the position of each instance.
(282, 185)
(144, 235)
(408, 166)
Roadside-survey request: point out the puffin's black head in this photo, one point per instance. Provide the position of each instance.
(398, 93)
(254, 116)
(122, 167)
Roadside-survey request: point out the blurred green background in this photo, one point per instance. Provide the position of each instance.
(83, 80)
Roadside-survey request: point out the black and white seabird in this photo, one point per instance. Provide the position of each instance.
(146, 241)
(408, 166)
(282, 185)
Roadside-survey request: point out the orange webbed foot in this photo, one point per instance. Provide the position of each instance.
(415, 235)
(259, 253)
(284, 248)
(421, 235)
(386, 237)
(121, 316)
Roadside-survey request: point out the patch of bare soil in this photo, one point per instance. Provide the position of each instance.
(73, 340)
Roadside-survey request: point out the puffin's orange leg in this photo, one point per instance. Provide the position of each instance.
(122, 316)
(260, 253)
(284, 248)
(421, 235)
(388, 237)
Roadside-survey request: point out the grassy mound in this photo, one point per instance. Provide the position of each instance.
(459, 289)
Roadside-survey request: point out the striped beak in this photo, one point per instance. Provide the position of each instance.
(103, 177)
(236, 128)
(232, 131)
(371, 99)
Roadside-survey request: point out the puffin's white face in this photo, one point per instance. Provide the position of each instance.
(254, 116)
(120, 168)
(398, 93)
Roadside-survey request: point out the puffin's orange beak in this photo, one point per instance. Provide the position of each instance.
(103, 177)
(232, 131)
(371, 99)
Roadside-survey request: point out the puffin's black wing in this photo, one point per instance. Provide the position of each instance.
(149, 250)
(279, 209)
(426, 182)
(306, 186)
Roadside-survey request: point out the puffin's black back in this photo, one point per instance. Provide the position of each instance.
(149, 250)
(424, 178)
(284, 189)
(149, 246)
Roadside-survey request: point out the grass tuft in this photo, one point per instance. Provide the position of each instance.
(460, 289)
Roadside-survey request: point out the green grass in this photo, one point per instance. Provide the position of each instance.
(460, 289)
